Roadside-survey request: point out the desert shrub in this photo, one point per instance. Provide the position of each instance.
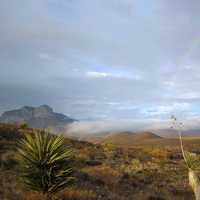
(93, 162)
(103, 173)
(23, 126)
(130, 168)
(7, 160)
(135, 166)
(88, 156)
(160, 153)
(44, 162)
(81, 157)
(9, 132)
(155, 198)
(109, 149)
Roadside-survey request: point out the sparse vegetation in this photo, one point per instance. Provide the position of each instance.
(139, 172)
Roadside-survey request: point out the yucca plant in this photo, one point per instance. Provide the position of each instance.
(192, 161)
(44, 162)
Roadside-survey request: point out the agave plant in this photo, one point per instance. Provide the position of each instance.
(192, 161)
(44, 162)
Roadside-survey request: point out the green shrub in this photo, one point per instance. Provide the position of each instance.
(44, 162)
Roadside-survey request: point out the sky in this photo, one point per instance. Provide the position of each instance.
(100, 60)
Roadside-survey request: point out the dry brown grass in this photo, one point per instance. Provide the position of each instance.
(77, 194)
(140, 172)
(33, 196)
(106, 174)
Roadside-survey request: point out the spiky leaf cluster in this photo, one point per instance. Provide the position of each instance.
(44, 162)
(192, 160)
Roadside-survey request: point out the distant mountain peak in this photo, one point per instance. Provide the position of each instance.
(39, 108)
(36, 117)
(27, 108)
(46, 107)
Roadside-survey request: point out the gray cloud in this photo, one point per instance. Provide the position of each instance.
(101, 60)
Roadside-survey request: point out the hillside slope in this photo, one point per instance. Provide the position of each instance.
(138, 172)
(129, 138)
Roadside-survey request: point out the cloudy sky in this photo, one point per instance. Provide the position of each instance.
(100, 60)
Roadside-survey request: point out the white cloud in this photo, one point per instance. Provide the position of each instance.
(45, 56)
(188, 67)
(190, 95)
(94, 74)
(88, 127)
(114, 74)
(169, 109)
(169, 84)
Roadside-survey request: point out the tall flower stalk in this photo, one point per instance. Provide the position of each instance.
(191, 160)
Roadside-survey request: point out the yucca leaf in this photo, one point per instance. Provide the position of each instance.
(43, 160)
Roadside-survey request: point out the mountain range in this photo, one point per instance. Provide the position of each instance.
(37, 117)
(44, 117)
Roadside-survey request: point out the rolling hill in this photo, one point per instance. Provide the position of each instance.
(129, 138)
